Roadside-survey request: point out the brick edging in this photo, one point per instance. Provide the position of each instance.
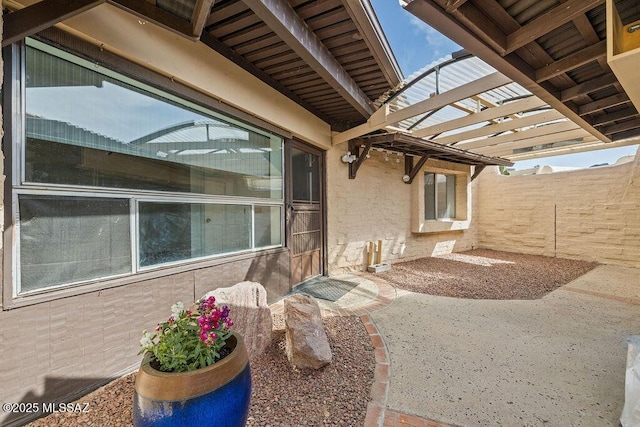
(380, 388)
(386, 295)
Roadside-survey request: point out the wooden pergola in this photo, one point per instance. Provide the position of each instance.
(488, 129)
(561, 51)
(329, 56)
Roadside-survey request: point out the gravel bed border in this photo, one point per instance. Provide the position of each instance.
(486, 274)
(335, 395)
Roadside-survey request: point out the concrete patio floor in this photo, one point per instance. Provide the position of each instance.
(557, 361)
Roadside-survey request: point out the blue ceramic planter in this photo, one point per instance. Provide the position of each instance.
(217, 395)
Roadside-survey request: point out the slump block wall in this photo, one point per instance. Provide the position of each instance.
(590, 214)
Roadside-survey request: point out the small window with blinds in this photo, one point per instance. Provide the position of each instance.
(439, 196)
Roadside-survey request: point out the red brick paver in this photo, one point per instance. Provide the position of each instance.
(380, 387)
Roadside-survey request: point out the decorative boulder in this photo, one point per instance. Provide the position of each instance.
(307, 345)
(250, 314)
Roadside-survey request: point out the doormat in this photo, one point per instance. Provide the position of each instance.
(325, 288)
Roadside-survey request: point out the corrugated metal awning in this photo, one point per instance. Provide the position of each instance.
(410, 147)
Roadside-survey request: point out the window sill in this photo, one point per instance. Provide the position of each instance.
(440, 226)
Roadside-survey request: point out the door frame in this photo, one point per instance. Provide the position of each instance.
(288, 174)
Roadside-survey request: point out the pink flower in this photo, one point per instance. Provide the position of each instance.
(204, 321)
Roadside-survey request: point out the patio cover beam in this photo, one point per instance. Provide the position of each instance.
(507, 148)
(360, 13)
(601, 104)
(507, 125)
(589, 34)
(465, 91)
(511, 65)
(588, 87)
(609, 118)
(383, 118)
(149, 12)
(519, 106)
(621, 127)
(527, 134)
(453, 5)
(489, 104)
(285, 22)
(626, 135)
(551, 147)
(589, 144)
(201, 12)
(551, 20)
(496, 36)
(573, 61)
(40, 16)
(471, 13)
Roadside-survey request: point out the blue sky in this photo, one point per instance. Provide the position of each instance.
(416, 45)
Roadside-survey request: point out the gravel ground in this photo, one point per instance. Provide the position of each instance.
(486, 274)
(336, 395)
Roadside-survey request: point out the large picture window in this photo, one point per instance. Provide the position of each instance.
(113, 176)
(439, 196)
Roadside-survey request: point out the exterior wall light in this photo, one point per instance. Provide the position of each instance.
(348, 158)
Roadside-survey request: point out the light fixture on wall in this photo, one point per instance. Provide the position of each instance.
(406, 178)
(348, 158)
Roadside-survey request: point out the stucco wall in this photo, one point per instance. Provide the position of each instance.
(377, 205)
(52, 351)
(589, 214)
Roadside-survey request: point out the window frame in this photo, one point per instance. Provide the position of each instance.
(14, 101)
(464, 199)
(435, 195)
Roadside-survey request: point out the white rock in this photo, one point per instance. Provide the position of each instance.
(250, 314)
